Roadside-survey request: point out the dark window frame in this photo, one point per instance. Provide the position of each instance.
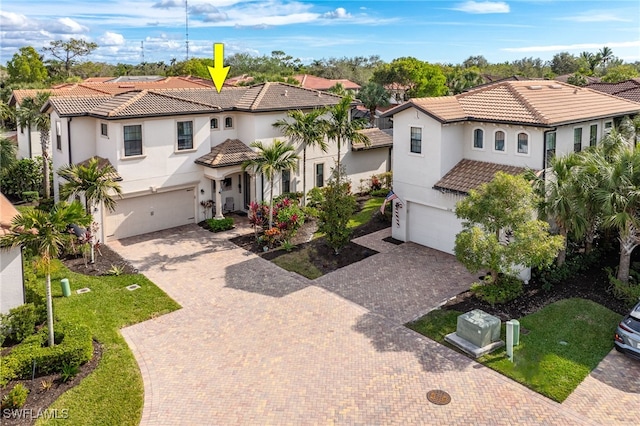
(577, 139)
(522, 143)
(184, 135)
(478, 139)
(131, 150)
(319, 172)
(416, 140)
(503, 141)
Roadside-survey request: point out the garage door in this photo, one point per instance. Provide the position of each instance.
(148, 213)
(432, 227)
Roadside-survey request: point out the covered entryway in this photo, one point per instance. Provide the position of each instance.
(153, 212)
(432, 227)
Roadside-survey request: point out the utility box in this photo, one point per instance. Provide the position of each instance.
(66, 289)
(478, 327)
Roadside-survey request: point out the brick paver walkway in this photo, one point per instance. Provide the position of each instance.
(256, 345)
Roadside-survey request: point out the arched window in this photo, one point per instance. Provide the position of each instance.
(499, 141)
(214, 124)
(523, 143)
(228, 123)
(478, 139)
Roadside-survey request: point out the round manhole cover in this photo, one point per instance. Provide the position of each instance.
(438, 397)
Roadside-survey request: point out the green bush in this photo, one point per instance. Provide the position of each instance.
(46, 204)
(16, 397)
(74, 346)
(335, 212)
(629, 292)
(30, 196)
(219, 225)
(24, 175)
(505, 289)
(315, 197)
(379, 193)
(19, 323)
(310, 212)
(293, 196)
(69, 371)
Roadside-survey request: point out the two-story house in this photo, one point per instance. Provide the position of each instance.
(173, 149)
(445, 146)
(11, 278)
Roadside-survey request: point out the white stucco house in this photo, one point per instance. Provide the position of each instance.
(445, 146)
(174, 148)
(11, 278)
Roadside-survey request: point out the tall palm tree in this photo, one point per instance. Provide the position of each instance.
(29, 116)
(372, 96)
(45, 234)
(272, 160)
(307, 129)
(341, 128)
(7, 153)
(7, 113)
(606, 55)
(94, 182)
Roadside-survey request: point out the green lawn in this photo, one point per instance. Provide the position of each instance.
(298, 261)
(566, 340)
(113, 393)
(371, 206)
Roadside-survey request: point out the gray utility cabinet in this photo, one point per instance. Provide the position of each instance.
(478, 327)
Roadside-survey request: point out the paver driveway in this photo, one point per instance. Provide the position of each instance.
(256, 345)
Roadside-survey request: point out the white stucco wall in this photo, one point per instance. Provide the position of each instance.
(11, 284)
(23, 143)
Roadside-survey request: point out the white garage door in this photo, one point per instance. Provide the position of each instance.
(148, 213)
(432, 227)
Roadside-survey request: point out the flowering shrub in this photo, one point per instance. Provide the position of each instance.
(288, 217)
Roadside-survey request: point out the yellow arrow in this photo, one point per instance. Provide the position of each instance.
(218, 71)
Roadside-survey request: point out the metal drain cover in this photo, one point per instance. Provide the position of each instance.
(438, 397)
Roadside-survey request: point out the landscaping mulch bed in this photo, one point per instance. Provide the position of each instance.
(105, 260)
(39, 399)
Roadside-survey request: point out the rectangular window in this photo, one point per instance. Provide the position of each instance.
(104, 129)
(499, 141)
(593, 135)
(577, 139)
(550, 148)
(523, 143)
(213, 124)
(185, 135)
(478, 139)
(132, 140)
(319, 175)
(416, 140)
(58, 136)
(286, 181)
(608, 126)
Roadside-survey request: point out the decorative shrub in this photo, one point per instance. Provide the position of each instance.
(46, 204)
(74, 345)
(386, 179)
(505, 289)
(16, 397)
(24, 176)
(380, 193)
(288, 217)
(69, 371)
(219, 225)
(335, 212)
(375, 183)
(629, 292)
(30, 196)
(19, 323)
(295, 197)
(315, 197)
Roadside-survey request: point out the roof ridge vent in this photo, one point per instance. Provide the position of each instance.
(534, 87)
(555, 86)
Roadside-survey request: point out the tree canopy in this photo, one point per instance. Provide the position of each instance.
(26, 66)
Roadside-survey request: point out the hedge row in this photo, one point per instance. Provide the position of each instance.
(74, 346)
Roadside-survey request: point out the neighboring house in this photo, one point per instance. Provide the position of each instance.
(174, 149)
(309, 81)
(628, 89)
(11, 278)
(96, 86)
(443, 147)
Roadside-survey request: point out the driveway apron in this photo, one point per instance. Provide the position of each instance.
(254, 344)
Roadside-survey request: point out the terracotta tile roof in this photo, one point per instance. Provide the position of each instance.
(470, 174)
(148, 103)
(537, 102)
(7, 213)
(565, 77)
(632, 94)
(229, 153)
(308, 81)
(19, 95)
(102, 163)
(378, 139)
(282, 96)
(613, 88)
(74, 105)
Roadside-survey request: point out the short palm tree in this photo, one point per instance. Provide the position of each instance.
(7, 153)
(271, 160)
(29, 116)
(45, 234)
(307, 129)
(341, 128)
(372, 96)
(94, 182)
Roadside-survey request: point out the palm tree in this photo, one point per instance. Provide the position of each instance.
(95, 183)
(272, 160)
(7, 153)
(372, 96)
(342, 128)
(29, 115)
(45, 234)
(606, 55)
(7, 113)
(308, 130)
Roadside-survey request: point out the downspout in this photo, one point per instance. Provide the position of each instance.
(69, 137)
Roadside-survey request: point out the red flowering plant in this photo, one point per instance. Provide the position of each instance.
(287, 219)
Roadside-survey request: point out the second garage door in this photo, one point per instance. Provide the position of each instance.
(149, 213)
(432, 227)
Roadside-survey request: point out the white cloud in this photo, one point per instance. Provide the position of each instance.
(67, 26)
(339, 13)
(168, 4)
(595, 16)
(201, 9)
(111, 39)
(577, 46)
(215, 17)
(13, 21)
(483, 7)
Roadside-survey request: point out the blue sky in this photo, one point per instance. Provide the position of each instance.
(434, 31)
